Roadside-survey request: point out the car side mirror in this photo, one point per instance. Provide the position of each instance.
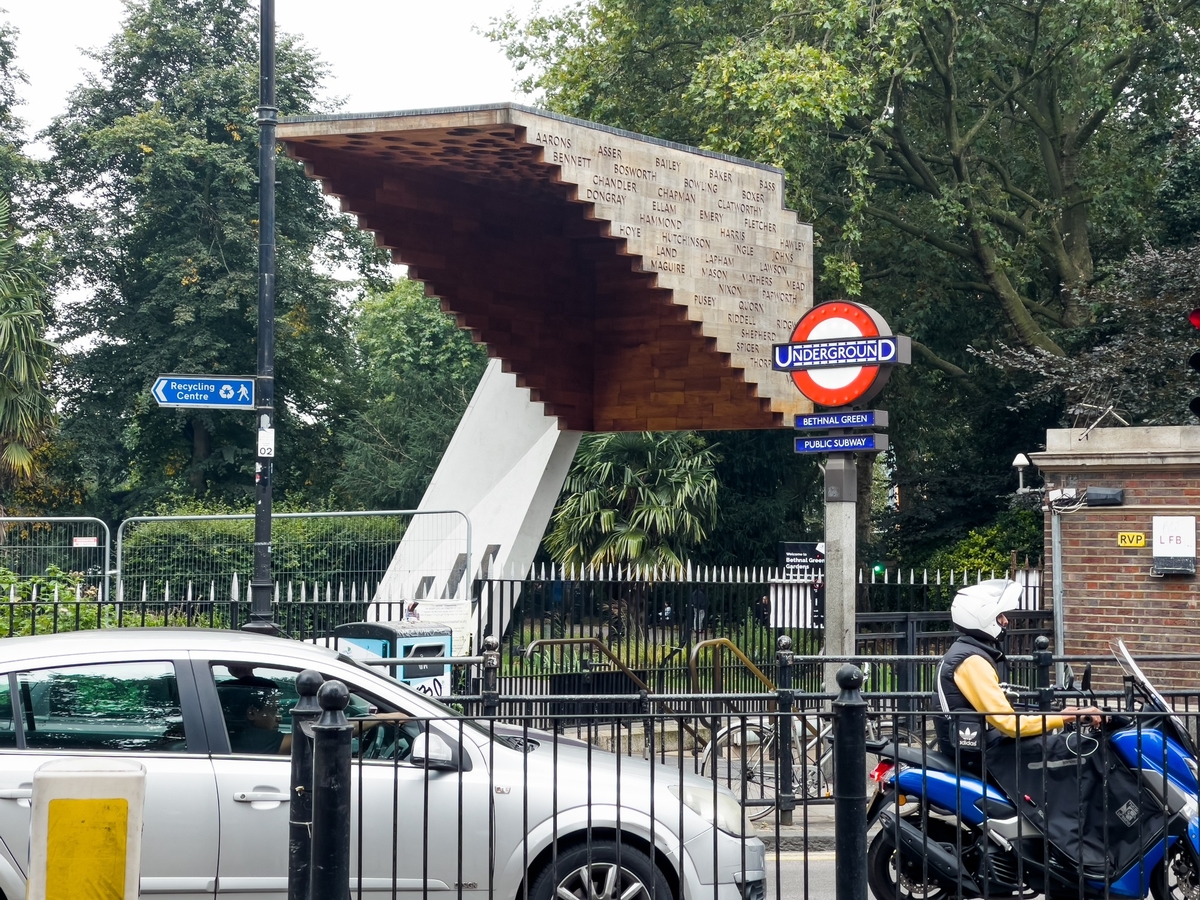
(430, 751)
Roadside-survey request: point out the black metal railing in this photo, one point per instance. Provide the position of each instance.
(1101, 810)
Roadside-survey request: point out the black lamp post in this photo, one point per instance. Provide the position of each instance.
(262, 583)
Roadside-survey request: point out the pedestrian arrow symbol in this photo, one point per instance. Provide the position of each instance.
(204, 391)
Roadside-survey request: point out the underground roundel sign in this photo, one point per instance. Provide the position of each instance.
(841, 353)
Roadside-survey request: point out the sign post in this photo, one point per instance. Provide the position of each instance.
(261, 582)
(257, 394)
(840, 354)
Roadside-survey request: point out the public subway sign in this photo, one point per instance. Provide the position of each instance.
(851, 443)
(841, 353)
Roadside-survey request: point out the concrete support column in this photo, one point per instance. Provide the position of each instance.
(841, 495)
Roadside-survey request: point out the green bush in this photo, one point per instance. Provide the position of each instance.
(32, 608)
(990, 549)
(347, 550)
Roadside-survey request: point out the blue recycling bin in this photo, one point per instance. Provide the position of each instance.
(402, 640)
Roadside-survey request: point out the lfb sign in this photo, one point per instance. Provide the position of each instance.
(1174, 545)
(841, 353)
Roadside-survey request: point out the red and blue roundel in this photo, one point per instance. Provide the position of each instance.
(840, 353)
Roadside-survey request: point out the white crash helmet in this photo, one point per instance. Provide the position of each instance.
(976, 607)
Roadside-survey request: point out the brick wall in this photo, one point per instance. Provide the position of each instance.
(1108, 590)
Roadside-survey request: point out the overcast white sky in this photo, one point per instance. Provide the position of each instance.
(384, 54)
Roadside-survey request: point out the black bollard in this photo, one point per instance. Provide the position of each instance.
(849, 785)
(785, 799)
(1044, 660)
(304, 714)
(331, 796)
(491, 675)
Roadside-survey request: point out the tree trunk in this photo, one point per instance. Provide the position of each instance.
(201, 451)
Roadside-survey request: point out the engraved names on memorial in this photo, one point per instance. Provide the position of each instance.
(713, 230)
(630, 283)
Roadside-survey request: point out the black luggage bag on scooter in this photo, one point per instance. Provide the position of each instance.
(1089, 804)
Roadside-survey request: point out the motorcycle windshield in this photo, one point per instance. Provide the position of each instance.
(1149, 692)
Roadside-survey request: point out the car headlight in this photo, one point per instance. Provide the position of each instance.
(718, 808)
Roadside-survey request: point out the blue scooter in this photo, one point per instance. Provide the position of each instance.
(946, 834)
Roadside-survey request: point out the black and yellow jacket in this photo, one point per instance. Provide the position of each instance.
(968, 680)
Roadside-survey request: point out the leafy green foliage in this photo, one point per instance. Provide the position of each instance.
(637, 498)
(989, 549)
(969, 167)
(26, 412)
(155, 201)
(26, 357)
(208, 552)
(767, 494)
(1139, 346)
(1178, 195)
(417, 375)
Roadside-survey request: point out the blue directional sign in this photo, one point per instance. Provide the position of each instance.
(204, 391)
(848, 444)
(862, 418)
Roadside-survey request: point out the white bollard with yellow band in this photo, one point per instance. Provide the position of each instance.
(85, 834)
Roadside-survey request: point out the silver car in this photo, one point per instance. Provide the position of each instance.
(485, 813)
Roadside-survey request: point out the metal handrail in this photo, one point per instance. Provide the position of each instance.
(693, 662)
(588, 641)
(603, 648)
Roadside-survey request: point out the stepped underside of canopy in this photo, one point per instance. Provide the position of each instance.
(615, 275)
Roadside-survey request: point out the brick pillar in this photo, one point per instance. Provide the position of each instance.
(1108, 590)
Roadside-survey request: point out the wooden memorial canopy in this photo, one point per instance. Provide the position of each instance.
(630, 283)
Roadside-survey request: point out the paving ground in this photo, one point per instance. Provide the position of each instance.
(811, 829)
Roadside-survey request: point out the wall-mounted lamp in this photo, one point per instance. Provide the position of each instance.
(1104, 496)
(1020, 463)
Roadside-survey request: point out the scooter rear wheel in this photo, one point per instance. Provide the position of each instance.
(890, 877)
(1176, 878)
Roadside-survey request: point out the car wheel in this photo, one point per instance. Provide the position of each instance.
(591, 872)
(1176, 878)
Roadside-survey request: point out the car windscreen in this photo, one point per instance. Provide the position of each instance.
(445, 710)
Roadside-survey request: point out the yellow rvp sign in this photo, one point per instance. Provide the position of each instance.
(1131, 539)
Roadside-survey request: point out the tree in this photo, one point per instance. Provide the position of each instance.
(155, 201)
(767, 494)
(969, 168)
(1136, 361)
(636, 498)
(26, 356)
(26, 412)
(417, 372)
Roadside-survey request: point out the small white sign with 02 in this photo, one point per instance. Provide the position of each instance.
(266, 442)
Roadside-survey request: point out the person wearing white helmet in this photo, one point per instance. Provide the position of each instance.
(968, 679)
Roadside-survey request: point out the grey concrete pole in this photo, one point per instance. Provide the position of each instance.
(841, 496)
(1056, 595)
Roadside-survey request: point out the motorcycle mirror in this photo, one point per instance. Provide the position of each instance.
(1070, 676)
(1087, 679)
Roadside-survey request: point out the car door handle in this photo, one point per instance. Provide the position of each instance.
(16, 794)
(261, 797)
